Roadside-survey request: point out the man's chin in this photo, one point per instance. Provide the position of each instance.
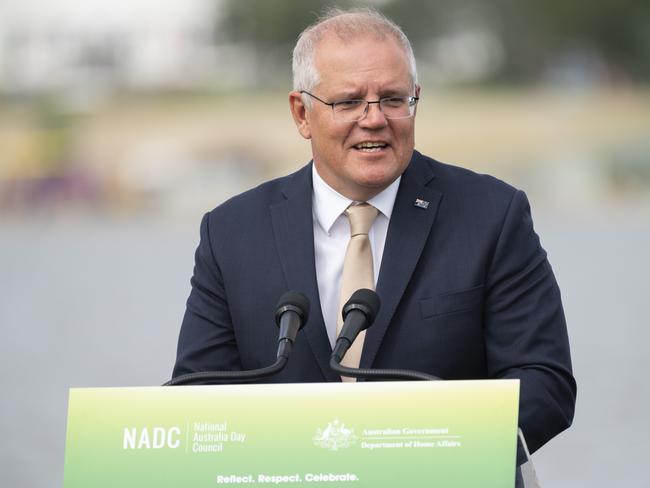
(375, 183)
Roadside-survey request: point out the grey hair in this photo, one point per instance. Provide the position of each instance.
(346, 24)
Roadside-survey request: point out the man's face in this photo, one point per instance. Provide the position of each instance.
(364, 68)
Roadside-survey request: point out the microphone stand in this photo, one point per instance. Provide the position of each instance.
(290, 316)
(218, 377)
(202, 377)
(379, 374)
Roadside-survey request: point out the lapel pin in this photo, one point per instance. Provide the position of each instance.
(421, 203)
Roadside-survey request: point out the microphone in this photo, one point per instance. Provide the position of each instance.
(291, 315)
(358, 314)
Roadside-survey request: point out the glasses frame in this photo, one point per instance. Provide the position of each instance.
(412, 102)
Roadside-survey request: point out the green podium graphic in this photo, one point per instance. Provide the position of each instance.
(374, 434)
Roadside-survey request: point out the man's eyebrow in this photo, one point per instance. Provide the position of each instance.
(347, 95)
(352, 94)
(394, 92)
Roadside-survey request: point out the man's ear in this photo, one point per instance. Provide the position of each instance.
(417, 94)
(299, 113)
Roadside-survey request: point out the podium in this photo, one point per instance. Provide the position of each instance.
(366, 434)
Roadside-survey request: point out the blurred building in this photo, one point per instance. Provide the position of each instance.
(97, 45)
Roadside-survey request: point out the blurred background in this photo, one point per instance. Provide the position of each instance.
(121, 123)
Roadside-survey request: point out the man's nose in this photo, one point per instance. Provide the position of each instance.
(374, 118)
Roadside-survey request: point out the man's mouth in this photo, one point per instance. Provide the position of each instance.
(370, 146)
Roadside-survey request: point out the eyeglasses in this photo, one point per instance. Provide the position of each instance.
(355, 110)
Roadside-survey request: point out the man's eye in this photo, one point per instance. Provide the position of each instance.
(348, 104)
(393, 102)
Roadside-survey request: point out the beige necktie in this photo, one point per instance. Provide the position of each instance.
(357, 271)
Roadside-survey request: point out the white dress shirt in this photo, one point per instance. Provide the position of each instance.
(331, 236)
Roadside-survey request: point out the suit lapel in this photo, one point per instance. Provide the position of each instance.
(294, 237)
(409, 228)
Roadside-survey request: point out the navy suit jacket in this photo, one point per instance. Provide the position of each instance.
(466, 290)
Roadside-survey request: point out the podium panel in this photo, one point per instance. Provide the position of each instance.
(374, 434)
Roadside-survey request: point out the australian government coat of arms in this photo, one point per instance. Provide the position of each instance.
(335, 436)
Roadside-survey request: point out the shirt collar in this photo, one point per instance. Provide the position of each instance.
(329, 204)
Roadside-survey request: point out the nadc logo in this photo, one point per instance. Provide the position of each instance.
(151, 438)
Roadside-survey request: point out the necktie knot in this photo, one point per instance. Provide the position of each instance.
(361, 218)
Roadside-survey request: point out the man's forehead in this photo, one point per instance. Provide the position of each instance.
(338, 59)
(356, 52)
(331, 39)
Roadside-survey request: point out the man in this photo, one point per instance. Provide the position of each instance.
(465, 287)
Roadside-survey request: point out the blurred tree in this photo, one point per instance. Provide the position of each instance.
(270, 29)
(267, 23)
(538, 33)
(535, 35)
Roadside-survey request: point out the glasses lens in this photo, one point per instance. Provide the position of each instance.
(396, 107)
(349, 110)
(392, 108)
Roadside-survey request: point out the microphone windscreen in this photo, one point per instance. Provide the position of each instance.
(365, 300)
(296, 301)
